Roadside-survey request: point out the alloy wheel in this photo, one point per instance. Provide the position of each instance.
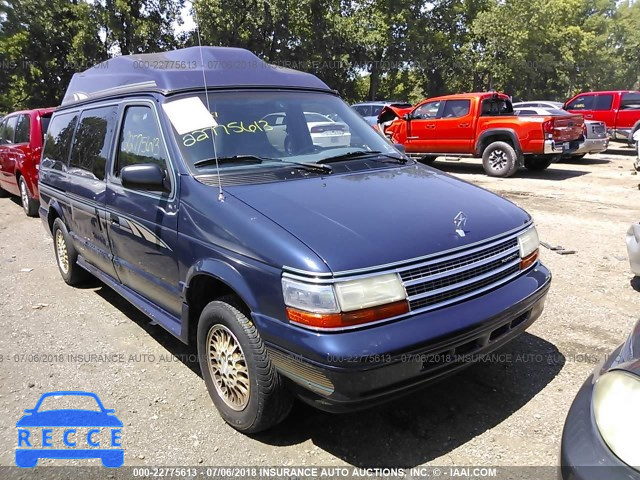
(228, 367)
(24, 195)
(61, 252)
(498, 159)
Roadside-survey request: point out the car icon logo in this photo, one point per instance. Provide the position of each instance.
(460, 221)
(69, 433)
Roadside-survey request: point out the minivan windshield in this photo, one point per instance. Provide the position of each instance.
(264, 129)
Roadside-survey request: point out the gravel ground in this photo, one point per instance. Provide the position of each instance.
(499, 413)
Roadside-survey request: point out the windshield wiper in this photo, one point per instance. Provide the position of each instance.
(310, 166)
(360, 153)
(258, 159)
(235, 158)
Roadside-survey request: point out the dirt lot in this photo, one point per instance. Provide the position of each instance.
(501, 413)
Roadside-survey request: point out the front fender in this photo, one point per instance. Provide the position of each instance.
(226, 273)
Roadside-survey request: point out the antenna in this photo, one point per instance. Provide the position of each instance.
(206, 94)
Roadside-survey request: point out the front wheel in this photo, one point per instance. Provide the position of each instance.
(242, 382)
(499, 159)
(537, 163)
(29, 204)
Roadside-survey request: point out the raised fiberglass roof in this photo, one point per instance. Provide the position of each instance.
(224, 67)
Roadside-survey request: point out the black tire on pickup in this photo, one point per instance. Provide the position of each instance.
(499, 159)
(428, 159)
(538, 163)
(244, 385)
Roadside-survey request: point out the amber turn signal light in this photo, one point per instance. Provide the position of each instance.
(348, 319)
(529, 260)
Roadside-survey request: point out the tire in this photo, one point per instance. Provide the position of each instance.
(499, 159)
(262, 400)
(428, 159)
(537, 163)
(29, 204)
(71, 272)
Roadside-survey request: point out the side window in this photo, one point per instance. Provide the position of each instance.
(92, 142)
(583, 102)
(58, 140)
(140, 140)
(456, 108)
(23, 129)
(9, 130)
(44, 125)
(427, 110)
(630, 101)
(603, 102)
(364, 110)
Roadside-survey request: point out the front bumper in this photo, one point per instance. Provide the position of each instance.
(350, 370)
(583, 454)
(592, 145)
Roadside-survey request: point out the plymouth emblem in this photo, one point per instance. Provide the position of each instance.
(460, 220)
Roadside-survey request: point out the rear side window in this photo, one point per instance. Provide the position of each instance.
(364, 110)
(140, 139)
(44, 125)
(583, 102)
(456, 108)
(58, 140)
(9, 130)
(496, 106)
(630, 101)
(22, 129)
(92, 141)
(603, 102)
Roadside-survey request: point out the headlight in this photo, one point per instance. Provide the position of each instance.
(370, 292)
(616, 398)
(309, 297)
(345, 304)
(529, 243)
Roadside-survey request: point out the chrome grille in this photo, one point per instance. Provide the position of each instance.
(466, 274)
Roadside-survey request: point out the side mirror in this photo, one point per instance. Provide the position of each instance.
(400, 148)
(145, 176)
(407, 116)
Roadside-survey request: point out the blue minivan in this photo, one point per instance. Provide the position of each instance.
(263, 220)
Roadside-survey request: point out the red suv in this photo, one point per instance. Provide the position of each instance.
(21, 135)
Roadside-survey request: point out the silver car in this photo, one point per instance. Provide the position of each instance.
(324, 131)
(596, 139)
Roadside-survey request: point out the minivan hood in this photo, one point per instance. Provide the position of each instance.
(372, 218)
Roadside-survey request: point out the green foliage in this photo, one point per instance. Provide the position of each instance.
(365, 49)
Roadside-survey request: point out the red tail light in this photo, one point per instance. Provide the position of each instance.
(547, 126)
(584, 129)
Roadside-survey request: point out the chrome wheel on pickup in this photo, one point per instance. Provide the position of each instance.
(499, 159)
(62, 254)
(242, 382)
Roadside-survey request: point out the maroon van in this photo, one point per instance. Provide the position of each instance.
(21, 136)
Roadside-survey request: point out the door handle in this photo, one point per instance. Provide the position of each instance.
(588, 116)
(463, 125)
(431, 126)
(114, 219)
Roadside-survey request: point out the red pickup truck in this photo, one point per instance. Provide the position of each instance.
(481, 125)
(21, 136)
(619, 109)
